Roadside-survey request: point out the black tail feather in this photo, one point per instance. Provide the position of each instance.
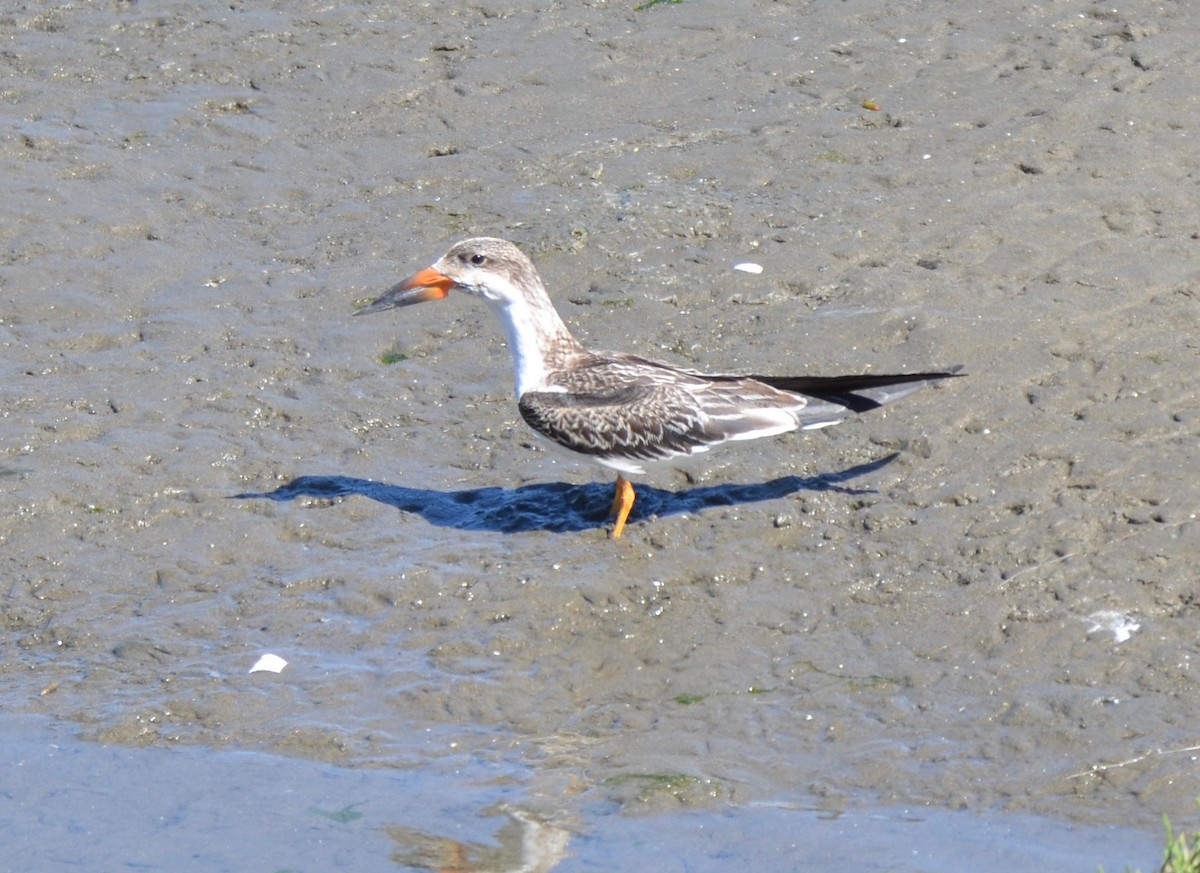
(842, 390)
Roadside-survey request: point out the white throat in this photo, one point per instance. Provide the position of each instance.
(525, 340)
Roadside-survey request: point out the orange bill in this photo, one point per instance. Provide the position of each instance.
(429, 284)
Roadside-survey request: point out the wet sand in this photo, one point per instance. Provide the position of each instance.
(197, 198)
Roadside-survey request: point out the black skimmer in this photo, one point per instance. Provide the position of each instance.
(622, 411)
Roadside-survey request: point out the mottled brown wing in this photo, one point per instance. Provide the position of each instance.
(629, 407)
(634, 420)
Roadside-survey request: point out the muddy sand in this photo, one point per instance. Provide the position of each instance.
(1000, 617)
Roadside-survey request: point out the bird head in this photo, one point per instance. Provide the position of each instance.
(493, 269)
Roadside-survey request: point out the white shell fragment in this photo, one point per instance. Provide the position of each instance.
(1120, 625)
(270, 662)
(748, 267)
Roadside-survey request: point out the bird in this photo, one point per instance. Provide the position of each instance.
(624, 412)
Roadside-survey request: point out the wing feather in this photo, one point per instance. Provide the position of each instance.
(637, 408)
(622, 406)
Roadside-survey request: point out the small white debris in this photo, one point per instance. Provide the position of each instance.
(748, 267)
(273, 663)
(1120, 625)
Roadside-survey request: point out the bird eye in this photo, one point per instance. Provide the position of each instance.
(478, 260)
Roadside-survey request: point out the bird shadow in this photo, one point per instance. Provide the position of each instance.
(555, 506)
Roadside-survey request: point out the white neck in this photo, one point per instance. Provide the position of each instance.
(537, 339)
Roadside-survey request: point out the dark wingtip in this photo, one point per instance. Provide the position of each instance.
(844, 390)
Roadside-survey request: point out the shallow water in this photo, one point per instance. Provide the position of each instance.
(932, 608)
(73, 805)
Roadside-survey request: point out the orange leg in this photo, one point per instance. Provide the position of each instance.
(622, 503)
